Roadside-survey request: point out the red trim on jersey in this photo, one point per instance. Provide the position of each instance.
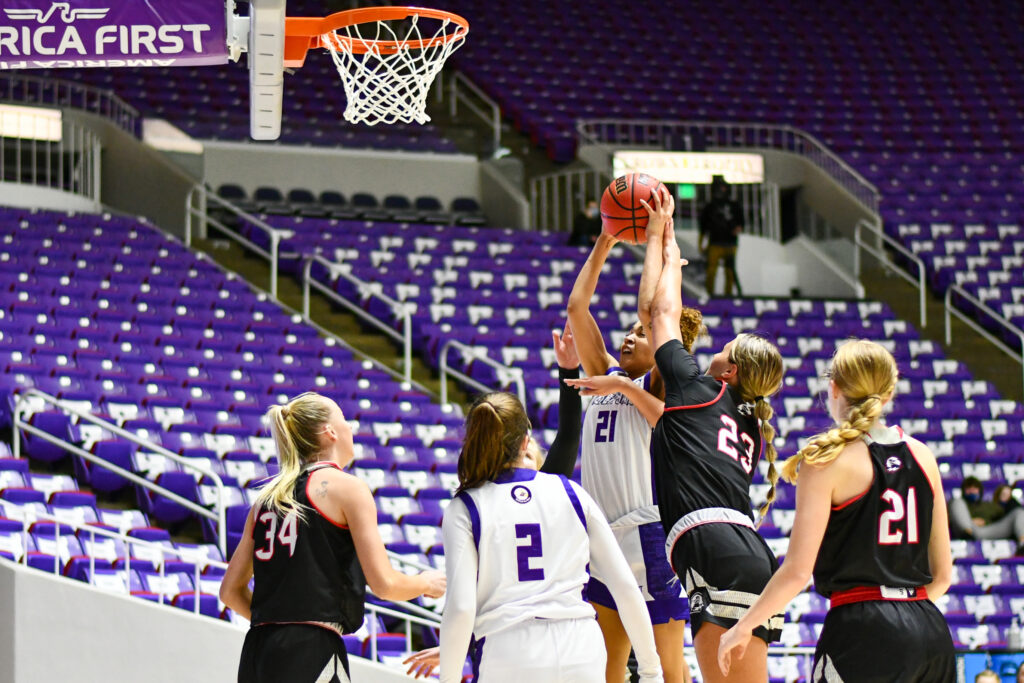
(701, 405)
(836, 508)
(309, 480)
(867, 593)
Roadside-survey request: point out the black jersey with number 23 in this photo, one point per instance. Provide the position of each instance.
(880, 538)
(305, 569)
(706, 445)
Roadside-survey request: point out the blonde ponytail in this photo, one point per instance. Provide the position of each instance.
(759, 371)
(865, 374)
(296, 427)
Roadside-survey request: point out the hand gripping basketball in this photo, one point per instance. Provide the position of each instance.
(622, 209)
(660, 210)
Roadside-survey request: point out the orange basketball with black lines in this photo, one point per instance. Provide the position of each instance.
(622, 214)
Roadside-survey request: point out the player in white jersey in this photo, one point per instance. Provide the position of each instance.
(517, 543)
(616, 459)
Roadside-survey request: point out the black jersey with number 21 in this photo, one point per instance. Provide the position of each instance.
(305, 569)
(880, 538)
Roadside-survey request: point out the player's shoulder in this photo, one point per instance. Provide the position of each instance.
(336, 481)
(921, 452)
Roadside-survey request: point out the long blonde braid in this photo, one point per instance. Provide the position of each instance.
(865, 374)
(759, 371)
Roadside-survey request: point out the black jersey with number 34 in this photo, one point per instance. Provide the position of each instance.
(305, 569)
(880, 538)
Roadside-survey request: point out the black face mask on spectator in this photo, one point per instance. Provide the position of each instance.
(972, 497)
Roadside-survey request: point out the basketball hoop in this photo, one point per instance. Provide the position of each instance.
(387, 57)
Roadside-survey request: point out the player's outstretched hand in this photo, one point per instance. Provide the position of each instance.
(660, 210)
(733, 642)
(423, 663)
(671, 246)
(601, 385)
(565, 348)
(436, 583)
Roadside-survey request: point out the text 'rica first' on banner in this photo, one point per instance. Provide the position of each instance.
(43, 34)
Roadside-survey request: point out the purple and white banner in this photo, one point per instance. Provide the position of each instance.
(43, 34)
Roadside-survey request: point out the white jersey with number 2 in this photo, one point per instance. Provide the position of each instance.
(516, 551)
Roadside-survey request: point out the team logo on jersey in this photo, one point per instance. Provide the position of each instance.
(893, 464)
(745, 408)
(521, 494)
(698, 601)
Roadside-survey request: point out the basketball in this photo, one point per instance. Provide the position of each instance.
(622, 214)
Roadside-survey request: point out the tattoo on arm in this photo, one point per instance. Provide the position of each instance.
(322, 491)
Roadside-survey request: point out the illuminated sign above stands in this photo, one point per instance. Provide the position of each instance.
(695, 168)
(30, 123)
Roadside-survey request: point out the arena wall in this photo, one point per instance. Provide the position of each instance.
(377, 172)
(58, 629)
(138, 179)
(36, 197)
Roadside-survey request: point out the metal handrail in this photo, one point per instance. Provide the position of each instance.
(556, 197)
(876, 230)
(410, 619)
(124, 538)
(951, 309)
(70, 164)
(726, 134)
(19, 87)
(414, 614)
(472, 354)
(397, 307)
(22, 401)
(275, 234)
(493, 114)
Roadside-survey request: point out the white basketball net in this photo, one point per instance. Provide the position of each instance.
(388, 88)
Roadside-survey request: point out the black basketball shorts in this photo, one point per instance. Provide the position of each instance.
(724, 568)
(302, 653)
(885, 641)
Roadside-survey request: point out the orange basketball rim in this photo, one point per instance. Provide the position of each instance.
(305, 33)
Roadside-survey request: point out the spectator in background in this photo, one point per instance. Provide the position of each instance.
(586, 226)
(720, 223)
(1020, 674)
(987, 676)
(1004, 496)
(972, 517)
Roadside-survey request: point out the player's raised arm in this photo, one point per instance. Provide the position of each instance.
(667, 305)
(589, 343)
(564, 449)
(660, 211)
